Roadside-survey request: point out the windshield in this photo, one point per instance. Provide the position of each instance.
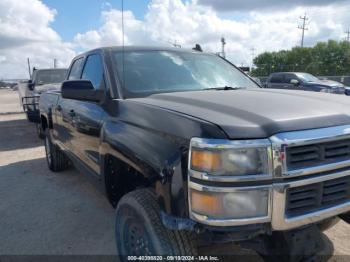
(50, 76)
(148, 72)
(307, 77)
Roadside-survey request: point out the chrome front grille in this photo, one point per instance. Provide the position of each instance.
(312, 168)
(306, 156)
(318, 196)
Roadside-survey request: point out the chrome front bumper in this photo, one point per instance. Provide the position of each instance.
(276, 214)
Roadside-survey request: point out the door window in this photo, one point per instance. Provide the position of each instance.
(288, 78)
(276, 79)
(76, 68)
(93, 71)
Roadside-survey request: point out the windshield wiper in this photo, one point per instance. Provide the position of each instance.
(224, 88)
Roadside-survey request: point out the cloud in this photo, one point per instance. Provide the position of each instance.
(166, 21)
(25, 29)
(110, 33)
(188, 23)
(238, 5)
(25, 32)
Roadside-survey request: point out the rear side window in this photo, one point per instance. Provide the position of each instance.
(75, 71)
(276, 79)
(93, 71)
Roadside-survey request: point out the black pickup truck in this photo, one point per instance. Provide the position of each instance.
(191, 152)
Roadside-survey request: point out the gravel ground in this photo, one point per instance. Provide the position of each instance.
(45, 213)
(9, 102)
(41, 212)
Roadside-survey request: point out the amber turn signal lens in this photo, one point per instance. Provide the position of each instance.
(205, 160)
(205, 203)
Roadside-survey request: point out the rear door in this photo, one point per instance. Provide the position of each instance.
(88, 116)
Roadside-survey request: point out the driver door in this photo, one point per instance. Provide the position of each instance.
(287, 82)
(88, 117)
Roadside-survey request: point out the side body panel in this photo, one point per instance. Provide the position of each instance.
(84, 125)
(155, 142)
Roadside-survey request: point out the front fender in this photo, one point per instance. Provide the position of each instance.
(155, 142)
(159, 159)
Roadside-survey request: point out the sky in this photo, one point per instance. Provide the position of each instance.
(46, 29)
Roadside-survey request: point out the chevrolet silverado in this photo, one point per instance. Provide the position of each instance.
(191, 152)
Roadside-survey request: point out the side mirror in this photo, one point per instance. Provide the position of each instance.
(31, 85)
(294, 82)
(80, 90)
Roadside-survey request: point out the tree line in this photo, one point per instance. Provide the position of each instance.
(325, 58)
(5, 84)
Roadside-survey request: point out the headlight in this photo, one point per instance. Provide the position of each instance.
(212, 161)
(243, 204)
(236, 158)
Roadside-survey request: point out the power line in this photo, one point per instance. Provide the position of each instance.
(303, 28)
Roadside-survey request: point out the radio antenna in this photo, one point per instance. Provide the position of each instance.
(29, 70)
(123, 45)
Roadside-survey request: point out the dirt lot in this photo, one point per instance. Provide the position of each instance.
(43, 213)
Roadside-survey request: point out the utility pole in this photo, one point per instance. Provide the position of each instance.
(303, 28)
(253, 55)
(347, 35)
(174, 44)
(54, 63)
(223, 43)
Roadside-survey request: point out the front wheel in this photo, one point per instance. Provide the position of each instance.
(345, 217)
(140, 231)
(40, 131)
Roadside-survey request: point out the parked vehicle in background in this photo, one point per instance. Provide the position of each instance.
(15, 87)
(192, 152)
(29, 92)
(303, 81)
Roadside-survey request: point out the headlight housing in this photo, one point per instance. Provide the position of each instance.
(229, 161)
(230, 158)
(240, 204)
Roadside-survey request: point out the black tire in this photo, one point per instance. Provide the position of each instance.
(56, 160)
(139, 229)
(40, 131)
(326, 224)
(345, 217)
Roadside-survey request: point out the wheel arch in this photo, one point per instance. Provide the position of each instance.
(44, 122)
(166, 174)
